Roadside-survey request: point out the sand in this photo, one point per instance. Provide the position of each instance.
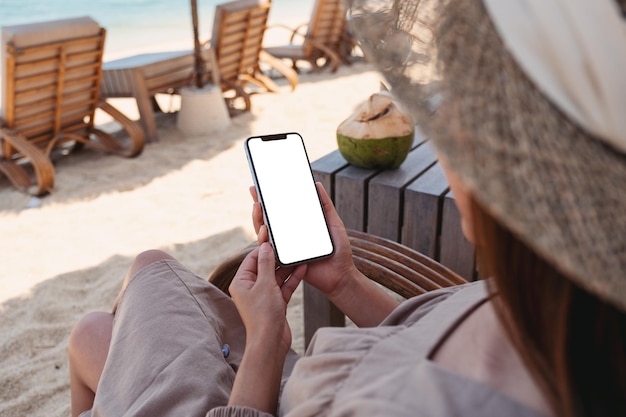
(66, 254)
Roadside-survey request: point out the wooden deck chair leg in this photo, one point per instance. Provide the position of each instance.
(106, 142)
(82, 141)
(289, 73)
(134, 130)
(156, 107)
(348, 45)
(16, 174)
(245, 96)
(328, 53)
(145, 105)
(44, 170)
(261, 82)
(239, 92)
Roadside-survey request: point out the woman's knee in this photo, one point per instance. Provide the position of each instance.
(91, 335)
(146, 258)
(88, 349)
(140, 262)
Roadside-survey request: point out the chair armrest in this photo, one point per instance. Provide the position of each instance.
(332, 55)
(397, 267)
(134, 130)
(44, 170)
(289, 73)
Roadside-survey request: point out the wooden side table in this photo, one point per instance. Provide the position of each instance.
(411, 205)
(142, 76)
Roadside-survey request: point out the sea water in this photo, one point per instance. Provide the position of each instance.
(135, 26)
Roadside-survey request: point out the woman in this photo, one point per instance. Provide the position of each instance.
(537, 164)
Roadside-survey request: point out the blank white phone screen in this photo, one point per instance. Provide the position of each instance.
(292, 209)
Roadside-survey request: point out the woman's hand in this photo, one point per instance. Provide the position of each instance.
(261, 294)
(328, 275)
(337, 276)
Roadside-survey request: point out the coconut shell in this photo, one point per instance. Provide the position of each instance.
(377, 135)
(385, 153)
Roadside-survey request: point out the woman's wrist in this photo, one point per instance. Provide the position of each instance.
(257, 383)
(346, 285)
(265, 343)
(356, 291)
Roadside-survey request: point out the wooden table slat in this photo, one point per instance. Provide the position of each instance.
(422, 212)
(325, 168)
(456, 251)
(385, 211)
(351, 196)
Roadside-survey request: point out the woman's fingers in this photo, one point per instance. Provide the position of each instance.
(266, 262)
(286, 278)
(283, 273)
(253, 193)
(289, 286)
(257, 210)
(335, 224)
(257, 216)
(262, 234)
(327, 204)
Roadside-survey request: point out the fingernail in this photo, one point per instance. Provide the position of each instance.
(266, 248)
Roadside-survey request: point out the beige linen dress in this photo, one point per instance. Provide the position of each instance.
(178, 340)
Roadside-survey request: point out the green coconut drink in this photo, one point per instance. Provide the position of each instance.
(378, 135)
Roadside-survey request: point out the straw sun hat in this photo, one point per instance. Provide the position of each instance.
(535, 121)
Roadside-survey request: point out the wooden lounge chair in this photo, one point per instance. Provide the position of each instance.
(51, 74)
(237, 40)
(399, 268)
(325, 41)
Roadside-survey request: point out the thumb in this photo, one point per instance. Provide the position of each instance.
(329, 208)
(266, 263)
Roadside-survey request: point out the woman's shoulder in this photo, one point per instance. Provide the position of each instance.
(457, 300)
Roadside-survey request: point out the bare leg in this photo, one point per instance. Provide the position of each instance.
(90, 339)
(88, 349)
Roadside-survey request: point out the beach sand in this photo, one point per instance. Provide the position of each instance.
(67, 255)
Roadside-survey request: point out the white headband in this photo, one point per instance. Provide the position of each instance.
(575, 52)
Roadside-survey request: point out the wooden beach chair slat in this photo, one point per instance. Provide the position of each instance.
(456, 250)
(51, 84)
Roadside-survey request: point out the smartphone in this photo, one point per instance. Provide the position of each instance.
(292, 209)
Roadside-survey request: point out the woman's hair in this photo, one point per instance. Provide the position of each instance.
(573, 343)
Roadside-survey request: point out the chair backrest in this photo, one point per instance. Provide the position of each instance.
(327, 25)
(51, 73)
(237, 38)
